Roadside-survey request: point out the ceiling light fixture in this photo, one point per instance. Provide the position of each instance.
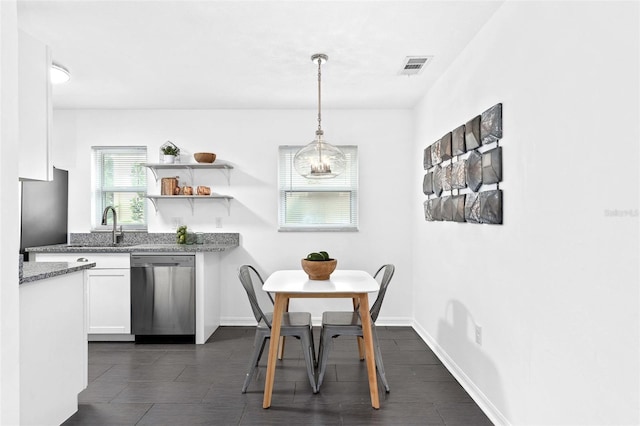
(319, 159)
(59, 74)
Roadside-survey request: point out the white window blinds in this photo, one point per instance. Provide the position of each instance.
(119, 179)
(317, 204)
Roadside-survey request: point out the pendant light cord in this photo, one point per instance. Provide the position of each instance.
(319, 97)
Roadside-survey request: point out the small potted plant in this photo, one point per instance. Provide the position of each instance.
(319, 266)
(169, 152)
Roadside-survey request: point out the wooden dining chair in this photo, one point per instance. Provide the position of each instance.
(336, 324)
(295, 324)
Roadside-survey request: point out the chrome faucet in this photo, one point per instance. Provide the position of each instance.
(114, 235)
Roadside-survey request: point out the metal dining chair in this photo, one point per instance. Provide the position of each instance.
(295, 324)
(336, 324)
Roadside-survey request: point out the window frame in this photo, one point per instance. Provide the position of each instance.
(98, 192)
(286, 186)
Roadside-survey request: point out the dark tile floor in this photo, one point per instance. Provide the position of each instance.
(163, 384)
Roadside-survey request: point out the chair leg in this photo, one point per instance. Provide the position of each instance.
(309, 354)
(323, 355)
(378, 355)
(258, 348)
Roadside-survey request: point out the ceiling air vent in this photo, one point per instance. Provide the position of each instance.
(412, 65)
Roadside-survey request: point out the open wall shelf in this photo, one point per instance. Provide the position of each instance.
(190, 167)
(191, 198)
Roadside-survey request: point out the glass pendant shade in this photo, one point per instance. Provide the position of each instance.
(319, 160)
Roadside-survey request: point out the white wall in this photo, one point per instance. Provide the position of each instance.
(9, 220)
(555, 288)
(249, 140)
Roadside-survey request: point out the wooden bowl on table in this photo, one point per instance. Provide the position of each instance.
(204, 157)
(319, 269)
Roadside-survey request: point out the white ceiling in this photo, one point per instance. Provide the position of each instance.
(212, 54)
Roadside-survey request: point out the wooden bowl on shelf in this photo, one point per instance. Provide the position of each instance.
(204, 157)
(319, 269)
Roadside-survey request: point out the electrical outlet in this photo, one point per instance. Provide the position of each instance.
(176, 221)
(479, 335)
(218, 222)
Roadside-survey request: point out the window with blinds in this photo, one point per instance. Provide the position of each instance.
(317, 204)
(119, 179)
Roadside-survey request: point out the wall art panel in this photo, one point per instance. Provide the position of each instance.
(491, 206)
(474, 171)
(428, 216)
(426, 159)
(446, 204)
(446, 177)
(472, 208)
(458, 208)
(492, 166)
(435, 153)
(436, 209)
(437, 180)
(445, 147)
(427, 184)
(459, 174)
(472, 133)
(491, 124)
(458, 146)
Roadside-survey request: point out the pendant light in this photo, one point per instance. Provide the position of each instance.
(319, 159)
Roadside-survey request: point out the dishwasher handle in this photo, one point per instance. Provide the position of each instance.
(155, 265)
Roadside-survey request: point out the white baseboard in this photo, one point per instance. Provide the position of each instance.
(476, 394)
(251, 322)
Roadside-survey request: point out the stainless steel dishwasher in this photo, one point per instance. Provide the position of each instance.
(163, 290)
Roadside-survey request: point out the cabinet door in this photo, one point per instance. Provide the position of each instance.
(34, 108)
(109, 301)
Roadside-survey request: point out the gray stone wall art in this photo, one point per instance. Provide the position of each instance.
(472, 133)
(492, 166)
(426, 159)
(464, 171)
(458, 208)
(459, 174)
(446, 205)
(474, 171)
(427, 184)
(491, 124)
(445, 147)
(491, 206)
(446, 177)
(472, 208)
(435, 153)
(458, 146)
(436, 210)
(427, 210)
(437, 180)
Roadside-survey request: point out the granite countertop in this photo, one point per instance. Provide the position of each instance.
(140, 242)
(35, 271)
(126, 248)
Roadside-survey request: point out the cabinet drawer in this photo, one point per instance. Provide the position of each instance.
(102, 260)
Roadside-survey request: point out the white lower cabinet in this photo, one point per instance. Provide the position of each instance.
(108, 290)
(109, 301)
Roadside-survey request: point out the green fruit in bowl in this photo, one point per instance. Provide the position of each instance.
(319, 256)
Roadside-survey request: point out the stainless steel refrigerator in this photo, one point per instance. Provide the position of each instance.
(44, 211)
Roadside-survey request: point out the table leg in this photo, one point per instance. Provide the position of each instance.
(365, 318)
(359, 339)
(281, 344)
(278, 308)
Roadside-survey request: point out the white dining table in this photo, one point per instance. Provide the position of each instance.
(352, 284)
